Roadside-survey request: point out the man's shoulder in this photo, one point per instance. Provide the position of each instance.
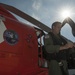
(47, 35)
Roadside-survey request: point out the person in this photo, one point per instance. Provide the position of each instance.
(56, 46)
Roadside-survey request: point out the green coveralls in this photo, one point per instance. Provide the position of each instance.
(54, 68)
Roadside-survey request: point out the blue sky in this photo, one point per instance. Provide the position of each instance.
(46, 11)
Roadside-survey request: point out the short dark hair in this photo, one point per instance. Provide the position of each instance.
(55, 23)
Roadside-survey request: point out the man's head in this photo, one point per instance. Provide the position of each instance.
(56, 27)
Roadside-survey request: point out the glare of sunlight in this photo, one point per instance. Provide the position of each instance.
(65, 13)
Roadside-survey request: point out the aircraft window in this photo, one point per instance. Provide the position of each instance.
(11, 37)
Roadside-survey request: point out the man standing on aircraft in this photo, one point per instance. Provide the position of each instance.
(56, 46)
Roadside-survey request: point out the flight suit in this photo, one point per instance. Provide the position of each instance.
(54, 65)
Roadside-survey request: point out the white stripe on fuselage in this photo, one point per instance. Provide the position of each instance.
(2, 29)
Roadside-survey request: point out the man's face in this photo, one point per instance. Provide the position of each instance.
(57, 28)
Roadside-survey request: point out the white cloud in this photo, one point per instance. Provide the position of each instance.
(37, 4)
(36, 17)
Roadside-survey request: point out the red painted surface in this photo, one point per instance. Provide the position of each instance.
(21, 58)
